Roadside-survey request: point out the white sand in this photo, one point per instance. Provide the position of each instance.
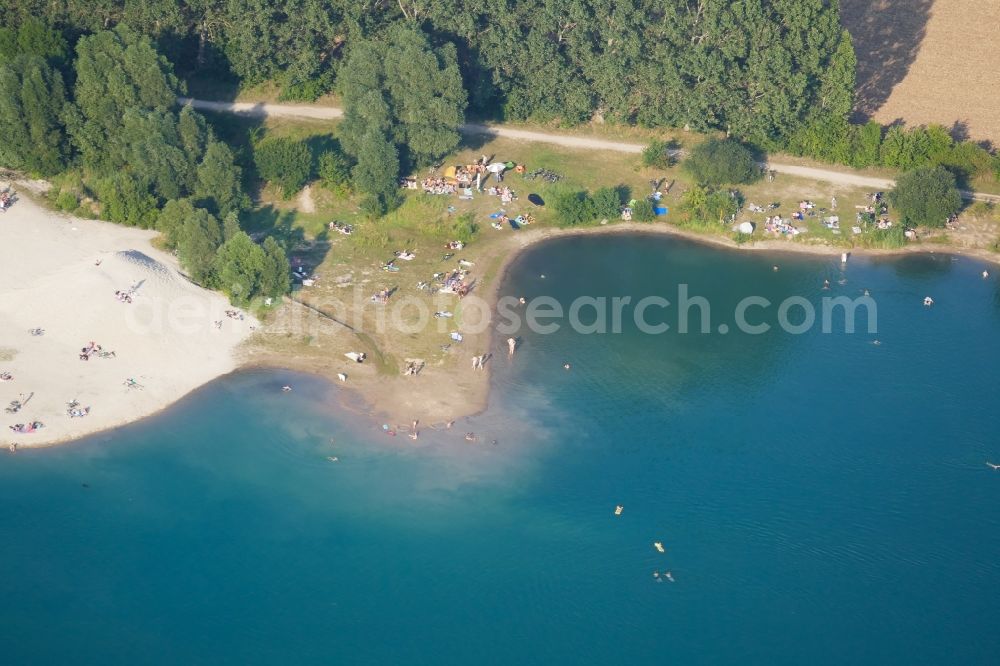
(165, 339)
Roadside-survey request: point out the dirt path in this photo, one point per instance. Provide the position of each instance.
(262, 110)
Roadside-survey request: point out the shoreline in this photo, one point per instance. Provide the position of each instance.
(393, 400)
(70, 278)
(369, 401)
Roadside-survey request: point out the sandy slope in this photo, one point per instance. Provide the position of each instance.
(166, 339)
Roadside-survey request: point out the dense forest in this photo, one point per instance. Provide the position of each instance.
(91, 83)
(759, 69)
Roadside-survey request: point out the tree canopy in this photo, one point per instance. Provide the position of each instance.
(721, 162)
(407, 88)
(283, 161)
(117, 72)
(32, 135)
(926, 197)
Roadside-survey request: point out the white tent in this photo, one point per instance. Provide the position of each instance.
(745, 228)
(496, 167)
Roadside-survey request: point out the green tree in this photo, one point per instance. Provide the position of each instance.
(230, 226)
(334, 169)
(116, 72)
(171, 219)
(276, 279)
(867, 145)
(406, 87)
(219, 185)
(426, 94)
(32, 38)
(125, 199)
(32, 135)
(658, 154)
(149, 146)
(200, 238)
(292, 41)
(377, 172)
(285, 162)
(607, 203)
(721, 162)
(193, 132)
(574, 207)
(241, 265)
(926, 197)
(643, 211)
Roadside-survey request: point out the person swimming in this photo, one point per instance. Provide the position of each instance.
(826, 284)
(470, 437)
(993, 465)
(928, 301)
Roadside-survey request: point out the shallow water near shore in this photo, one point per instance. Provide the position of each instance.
(821, 499)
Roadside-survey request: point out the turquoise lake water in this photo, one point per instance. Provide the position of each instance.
(821, 499)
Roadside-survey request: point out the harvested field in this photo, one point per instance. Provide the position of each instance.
(928, 61)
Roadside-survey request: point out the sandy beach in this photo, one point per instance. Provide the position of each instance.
(61, 274)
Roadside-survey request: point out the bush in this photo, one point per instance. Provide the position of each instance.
(334, 169)
(67, 201)
(285, 162)
(926, 197)
(866, 145)
(643, 211)
(606, 203)
(702, 205)
(574, 208)
(658, 154)
(721, 161)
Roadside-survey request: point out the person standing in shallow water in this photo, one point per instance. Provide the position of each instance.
(511, 345)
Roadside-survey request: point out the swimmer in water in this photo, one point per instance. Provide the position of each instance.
(826, 284)
(876, 342)
(986, 275)
(867, 293)
(566, 367)
(470, 436)
(993, 465)
(286, 389)
(774, 268)
(522, 300)
(669, 576)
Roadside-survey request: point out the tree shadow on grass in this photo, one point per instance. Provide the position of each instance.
(887, 35)
(268, 221)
